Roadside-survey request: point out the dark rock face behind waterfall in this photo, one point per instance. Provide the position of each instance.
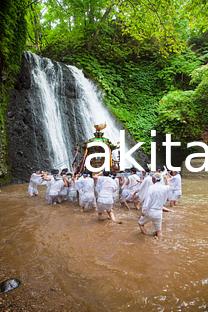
(26, 141)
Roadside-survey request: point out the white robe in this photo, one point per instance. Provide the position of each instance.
(72, 191)
(53, 189)
(87, 194)
(117, 192)
(115, 154)
(144, 187)
(175, 190)
(156, 198)
(35, 180)
(78, 186)
(153, 205)
(105, 187)
(131, 185)
(48, 185)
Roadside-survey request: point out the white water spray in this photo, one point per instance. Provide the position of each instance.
(92, 108)
(47, 81)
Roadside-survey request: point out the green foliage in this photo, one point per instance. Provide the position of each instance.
(178, 68)
(185, 113)
(197, 12)
(152, 28)
(72, 22)
(12, 43)
(201, 98)
(158, 21)
(199, 74)
(178, 115)
(199, 44)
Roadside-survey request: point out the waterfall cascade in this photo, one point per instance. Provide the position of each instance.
(54, 108)
(91, 107)
(48, 82)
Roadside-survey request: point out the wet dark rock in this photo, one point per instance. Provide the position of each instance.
(20, 153)
(9, 285)
(10, 114)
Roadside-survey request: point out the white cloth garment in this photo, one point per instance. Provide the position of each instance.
(78, 186)
(48, 185)
(35, 180)
(144, 187)
(116, 194)
(175, 187)
(105, 187)
(87, 194)
(54, 186)
(72, 191)
(115, 154)
(130, 186)
(153, 205)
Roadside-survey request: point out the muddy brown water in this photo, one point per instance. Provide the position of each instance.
(68, 261)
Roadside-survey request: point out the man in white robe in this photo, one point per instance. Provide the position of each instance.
(78, 186)
(72, 190)
(87, 190)
(131, 185)
(175, 190)
(35, 180)
(54, 186)
(105, 187)
(152, 209)
(142, 192)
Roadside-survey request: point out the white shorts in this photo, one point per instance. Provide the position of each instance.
(126, 195)
(51, 199)
(32, 190)
(101, 207)
(156, 220)
(174, 195)
(72, 196)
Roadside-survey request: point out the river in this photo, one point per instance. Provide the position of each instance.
(68, 261)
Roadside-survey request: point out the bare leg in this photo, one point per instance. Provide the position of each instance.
(111, 215)
(137, 204)
(142, 229)
(158, 234)
(126, 205)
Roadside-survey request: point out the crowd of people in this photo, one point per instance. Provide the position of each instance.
(147, 191)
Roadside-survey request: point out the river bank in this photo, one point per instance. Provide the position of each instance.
(68, 261)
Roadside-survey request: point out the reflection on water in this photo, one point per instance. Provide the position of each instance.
(68, 261)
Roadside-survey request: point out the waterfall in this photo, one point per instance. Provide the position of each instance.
(47, 81)
(68, 105)
(92, 109)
